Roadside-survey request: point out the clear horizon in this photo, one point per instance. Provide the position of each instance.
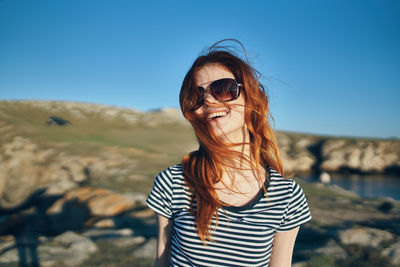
(330, 68)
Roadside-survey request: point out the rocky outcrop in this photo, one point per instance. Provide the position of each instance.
(364, 236)
(393, 252)
(148, 250)
(24, 168)
(361, 155)
(305, 153)
(332, 248)
(69, 248)
(100, 202)
(340, 246)
(295, 153)
(49, 235)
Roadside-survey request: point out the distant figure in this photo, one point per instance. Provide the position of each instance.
(227, 203)
(53, 120)
(325, 178)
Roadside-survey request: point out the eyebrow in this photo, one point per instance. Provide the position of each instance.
(215, 80)
(208, 82)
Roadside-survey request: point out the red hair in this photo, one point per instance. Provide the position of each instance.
(203, 168)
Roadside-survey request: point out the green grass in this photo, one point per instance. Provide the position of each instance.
(321, 261)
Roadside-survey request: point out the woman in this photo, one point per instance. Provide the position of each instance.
(227, 203)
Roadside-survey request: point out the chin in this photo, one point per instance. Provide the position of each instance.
(231, 135)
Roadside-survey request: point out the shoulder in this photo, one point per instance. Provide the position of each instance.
(172, 172)
(171, 176)
(283, 186)
(277, 180)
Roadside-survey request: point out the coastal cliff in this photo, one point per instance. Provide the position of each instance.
(305, 153)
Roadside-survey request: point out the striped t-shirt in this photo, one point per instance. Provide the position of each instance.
(244, 234)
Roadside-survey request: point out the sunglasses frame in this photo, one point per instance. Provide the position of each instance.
(209, 91)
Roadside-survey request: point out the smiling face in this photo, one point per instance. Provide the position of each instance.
(226, 119)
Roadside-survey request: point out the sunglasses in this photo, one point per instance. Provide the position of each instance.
(223, 90)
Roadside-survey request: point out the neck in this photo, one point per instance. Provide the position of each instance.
(240, 144)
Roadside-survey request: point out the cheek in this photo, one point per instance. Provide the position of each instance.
(199, 111)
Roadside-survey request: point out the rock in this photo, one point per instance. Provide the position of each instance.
(333, 249)
(83, 245)
(387, 205)
(148, 250)
(60, 187)
(100, 202)
(325, 178)
(119, 237)
(25, 168)
(67, 238)
(96, 234)
(77, 242)
(72, 250)
(53, 255)
(105, 223)
(9, 256)
(76, 170)
(360, 155)
(68, 214)
(6, 244)
(138, 198)
(393, 252)
(364, 236)
(128, 241)
(294, 152)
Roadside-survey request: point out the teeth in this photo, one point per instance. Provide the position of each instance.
(217, 114)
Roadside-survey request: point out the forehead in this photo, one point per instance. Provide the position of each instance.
(212, 72)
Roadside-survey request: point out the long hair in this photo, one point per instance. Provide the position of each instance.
(203, 168)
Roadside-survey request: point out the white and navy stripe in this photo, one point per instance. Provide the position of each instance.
(244, 234)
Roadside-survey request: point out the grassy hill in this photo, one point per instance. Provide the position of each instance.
(149, 141)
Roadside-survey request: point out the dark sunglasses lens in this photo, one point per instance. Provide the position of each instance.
(197, 99)
(224, 89)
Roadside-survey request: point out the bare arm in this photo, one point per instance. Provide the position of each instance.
(164, 227)
(282, 248)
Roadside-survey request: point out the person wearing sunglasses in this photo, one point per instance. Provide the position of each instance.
(227, 203)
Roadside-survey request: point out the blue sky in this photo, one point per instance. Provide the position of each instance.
(331, 67)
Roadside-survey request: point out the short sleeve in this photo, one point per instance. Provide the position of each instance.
(297, 211)
(160, 197)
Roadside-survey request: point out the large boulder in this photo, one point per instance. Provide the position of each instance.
(393, 252)
(79, 205)
(101, 202)
(364, 236)
(295, 153)
(147, 250)
(333, 249)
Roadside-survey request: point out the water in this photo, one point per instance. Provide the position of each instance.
(367, 185)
